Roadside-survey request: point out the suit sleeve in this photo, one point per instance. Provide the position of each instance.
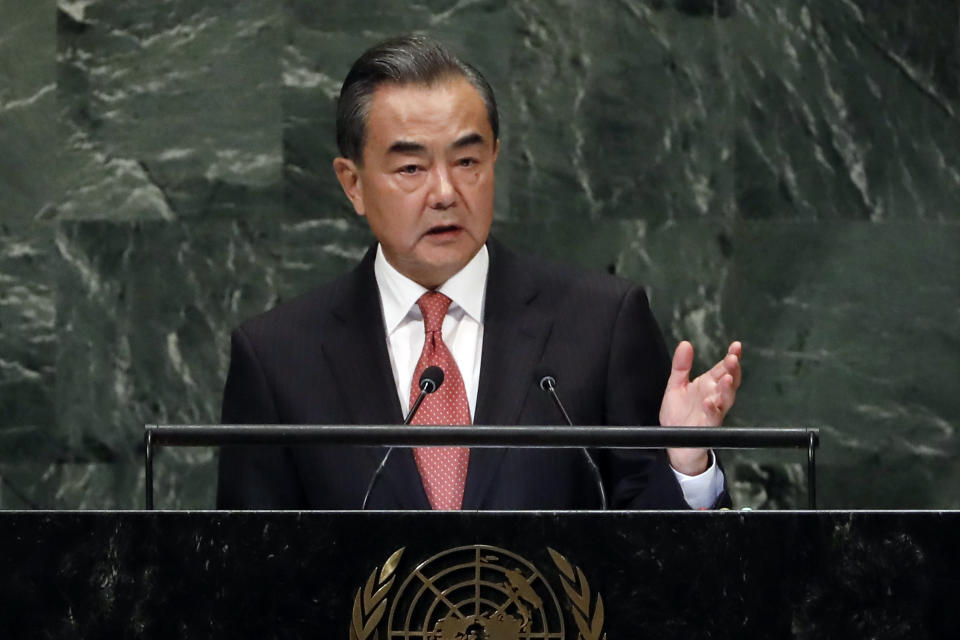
(637, 372)
(639, 366)
(252, 477)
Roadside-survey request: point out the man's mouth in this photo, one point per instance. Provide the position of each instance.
(441, 229)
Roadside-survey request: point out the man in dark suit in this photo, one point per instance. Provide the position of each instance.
(418, 134)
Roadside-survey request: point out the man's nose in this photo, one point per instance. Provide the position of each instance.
(442, 195)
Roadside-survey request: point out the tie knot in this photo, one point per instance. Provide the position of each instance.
(434, 307)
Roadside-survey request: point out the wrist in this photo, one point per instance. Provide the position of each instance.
(689, 462)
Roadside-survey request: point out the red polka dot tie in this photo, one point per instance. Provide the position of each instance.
(442, 469)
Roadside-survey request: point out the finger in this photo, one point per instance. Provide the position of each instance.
(723, 367)
(732, 364)
(736, 349)
(728, 390)
(724, 396)
(682, 364)
(717, 392)
(712, 411)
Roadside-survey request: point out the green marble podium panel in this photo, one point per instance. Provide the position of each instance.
(782, 172)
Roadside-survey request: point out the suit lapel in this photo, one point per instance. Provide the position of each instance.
(515, 329)
(356, 350)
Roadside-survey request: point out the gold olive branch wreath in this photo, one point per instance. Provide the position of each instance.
(370, 603)
(578, 591)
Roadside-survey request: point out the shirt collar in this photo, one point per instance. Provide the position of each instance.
(398, 294)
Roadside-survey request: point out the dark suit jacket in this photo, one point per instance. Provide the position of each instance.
(322, 359)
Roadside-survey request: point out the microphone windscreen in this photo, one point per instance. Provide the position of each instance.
(433, 375)
(544, 378)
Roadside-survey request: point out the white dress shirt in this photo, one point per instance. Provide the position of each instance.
(463, 335)
(462, 326)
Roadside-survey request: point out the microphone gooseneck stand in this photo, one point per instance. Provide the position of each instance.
(549, 384)
(430, 381)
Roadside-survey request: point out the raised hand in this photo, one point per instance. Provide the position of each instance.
(701, 402)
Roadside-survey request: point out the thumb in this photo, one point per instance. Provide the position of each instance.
(682, 364)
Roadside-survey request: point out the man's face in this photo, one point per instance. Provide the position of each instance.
(426, 184)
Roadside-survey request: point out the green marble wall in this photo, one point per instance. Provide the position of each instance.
(779, 171)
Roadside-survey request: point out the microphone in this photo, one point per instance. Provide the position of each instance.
(430, 381)
(549, 384)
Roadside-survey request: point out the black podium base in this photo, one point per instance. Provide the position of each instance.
(494, 575)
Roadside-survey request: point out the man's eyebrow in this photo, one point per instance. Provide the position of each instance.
(467, 140)
(405, 146)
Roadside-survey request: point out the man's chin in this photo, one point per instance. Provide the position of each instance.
(436, 267)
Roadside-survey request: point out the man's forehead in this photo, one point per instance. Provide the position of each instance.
(409, 112)
(445, 83)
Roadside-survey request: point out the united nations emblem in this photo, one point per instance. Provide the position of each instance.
(476, 592)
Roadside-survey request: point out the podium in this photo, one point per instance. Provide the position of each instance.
(470, 575)
(392, 575)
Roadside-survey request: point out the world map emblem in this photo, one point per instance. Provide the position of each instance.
(475, 592)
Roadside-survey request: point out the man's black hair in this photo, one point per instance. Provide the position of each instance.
(405, 60)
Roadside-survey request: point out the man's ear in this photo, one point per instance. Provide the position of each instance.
(349, 177)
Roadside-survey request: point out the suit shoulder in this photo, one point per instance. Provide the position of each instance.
(306, 311)
(559, 279)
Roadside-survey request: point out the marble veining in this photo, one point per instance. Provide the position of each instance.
(787, 173)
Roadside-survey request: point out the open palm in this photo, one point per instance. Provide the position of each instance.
(701, 402)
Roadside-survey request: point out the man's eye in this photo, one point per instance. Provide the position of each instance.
(466, 162)
(409, 169)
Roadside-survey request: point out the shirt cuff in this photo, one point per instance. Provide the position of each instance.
(701, 491)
